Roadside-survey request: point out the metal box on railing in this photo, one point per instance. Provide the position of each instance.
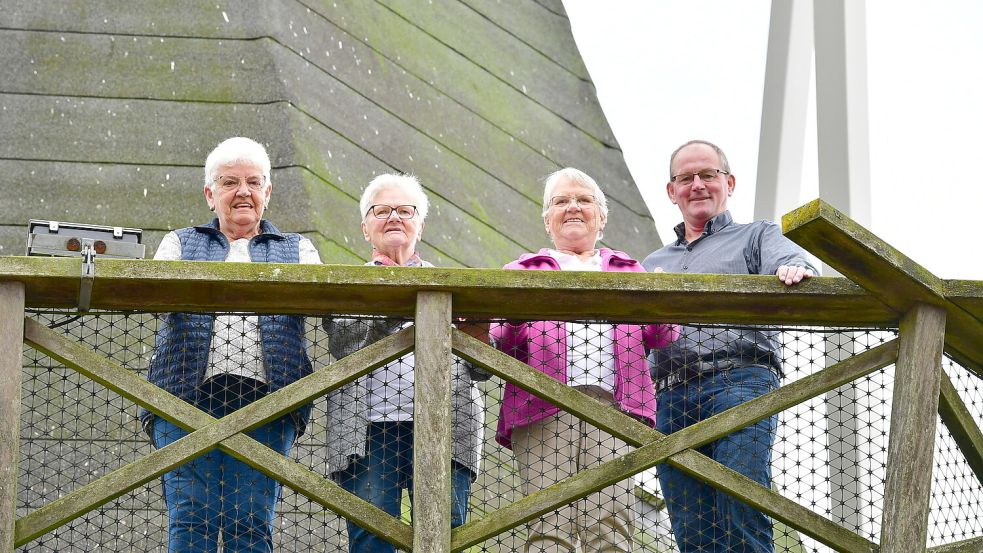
(69, 239)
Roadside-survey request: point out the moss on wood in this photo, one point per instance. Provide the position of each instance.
(286, 288)
(884, 271)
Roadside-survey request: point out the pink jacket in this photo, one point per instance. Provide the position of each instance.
(543, 345)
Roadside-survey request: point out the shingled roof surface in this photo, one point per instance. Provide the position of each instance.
(108, 109)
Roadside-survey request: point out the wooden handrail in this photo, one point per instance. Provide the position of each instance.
(161, 286)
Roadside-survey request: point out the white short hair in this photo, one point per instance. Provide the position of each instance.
(407, 183)
(237, 149)
(579, 177)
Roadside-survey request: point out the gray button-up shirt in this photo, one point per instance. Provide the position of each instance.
(725, 247)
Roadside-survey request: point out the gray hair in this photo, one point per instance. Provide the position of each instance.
(579, 177)
(237, 149)
(725, 165)
(407, 183)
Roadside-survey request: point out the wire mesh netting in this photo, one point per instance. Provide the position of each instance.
(827, 454)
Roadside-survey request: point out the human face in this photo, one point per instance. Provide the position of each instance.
(239, 209)
(699, 201)
(575, 227)
(393, 237)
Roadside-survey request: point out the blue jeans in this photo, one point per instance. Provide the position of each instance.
(704, 519)
(216, 493)
(381, 475)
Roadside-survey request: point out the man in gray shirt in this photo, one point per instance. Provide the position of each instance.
(711, 369)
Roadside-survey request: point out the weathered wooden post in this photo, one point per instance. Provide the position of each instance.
(911, 443)
(432, 423)
(11, 354)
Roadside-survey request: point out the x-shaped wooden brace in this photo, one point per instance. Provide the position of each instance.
(228, 433)
(677, 449)
(207, 432)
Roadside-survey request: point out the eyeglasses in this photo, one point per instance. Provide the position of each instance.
(380, 211)
(229, 183)
(705, 175)
(583, 200)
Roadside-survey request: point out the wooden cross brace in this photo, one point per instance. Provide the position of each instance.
(227, 433)
(677, 449)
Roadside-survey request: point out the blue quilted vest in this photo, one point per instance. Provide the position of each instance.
(184, 339)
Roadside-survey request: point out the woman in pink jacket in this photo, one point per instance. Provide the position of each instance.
(604, 361)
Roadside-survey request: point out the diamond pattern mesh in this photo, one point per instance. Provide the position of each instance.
(827, 454)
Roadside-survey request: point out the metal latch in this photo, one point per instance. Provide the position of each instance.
(88, 273)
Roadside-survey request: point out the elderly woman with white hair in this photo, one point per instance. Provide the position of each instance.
(604, 361)
(221, 363)
(370, 421)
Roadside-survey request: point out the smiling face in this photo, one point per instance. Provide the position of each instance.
(575, 225)
(699, 201)
(394, 237)
(239, 208)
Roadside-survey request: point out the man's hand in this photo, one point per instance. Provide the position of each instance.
(790, 274)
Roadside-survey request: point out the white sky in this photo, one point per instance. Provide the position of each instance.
(672, 70)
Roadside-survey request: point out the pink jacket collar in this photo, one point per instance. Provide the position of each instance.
(542, 261)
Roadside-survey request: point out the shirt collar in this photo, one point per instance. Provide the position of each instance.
(379, 258)
(569, 260)
(715, 224)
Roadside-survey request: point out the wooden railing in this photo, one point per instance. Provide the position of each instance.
(882, 288)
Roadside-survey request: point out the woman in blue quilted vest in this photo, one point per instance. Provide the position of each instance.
(221, 363)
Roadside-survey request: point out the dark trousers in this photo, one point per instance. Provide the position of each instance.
(216, 493)
(384, 472)
(704, 519)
